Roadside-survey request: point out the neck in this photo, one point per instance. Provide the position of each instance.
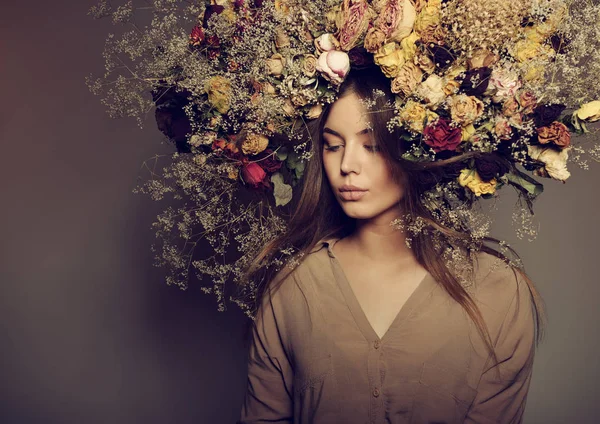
(378, 242)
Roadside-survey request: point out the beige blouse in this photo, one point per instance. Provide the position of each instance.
(315, 358)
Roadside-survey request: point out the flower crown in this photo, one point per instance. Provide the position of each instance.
(236, 88)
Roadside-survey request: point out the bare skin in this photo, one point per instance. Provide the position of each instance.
(379, 266)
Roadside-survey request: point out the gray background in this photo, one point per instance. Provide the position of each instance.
(90, 333)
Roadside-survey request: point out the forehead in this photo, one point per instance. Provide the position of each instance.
(347, 114)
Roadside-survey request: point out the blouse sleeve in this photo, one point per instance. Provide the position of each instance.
(502, 400)
(269, 391)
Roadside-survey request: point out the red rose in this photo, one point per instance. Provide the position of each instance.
(270, 163)
(253, 174)
(441, 136)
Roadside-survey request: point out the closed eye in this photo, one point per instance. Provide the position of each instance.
(335, 148)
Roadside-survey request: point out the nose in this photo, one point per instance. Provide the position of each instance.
(351, 158)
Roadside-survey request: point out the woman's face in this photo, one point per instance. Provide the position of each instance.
(350, 157)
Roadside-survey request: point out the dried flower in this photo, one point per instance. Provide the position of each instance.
(354, 22)
(555, 161)
(390, 58)
(556, 133)
(219, 93)
(465, 109)
(431, 90)
(254, 144)
(407, 79)
(396, 19)
(275, 64)
(589, 112)
(439, 135)
(334, 65)
(470, 178)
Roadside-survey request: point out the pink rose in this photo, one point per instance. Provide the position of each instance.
(397, 19)
(439, 135)
(334, 65)
(355, 18)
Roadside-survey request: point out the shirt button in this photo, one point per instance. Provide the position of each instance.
(377, 344)
(376, 392)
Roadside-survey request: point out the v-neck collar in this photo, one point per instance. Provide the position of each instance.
(410, 306)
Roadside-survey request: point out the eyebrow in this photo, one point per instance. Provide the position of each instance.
(330, 131)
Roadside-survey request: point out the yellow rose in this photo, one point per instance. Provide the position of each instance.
(282, 6)
(219, 93)
(470, 178)
(254, 144)
(229, 14)
(415, 115)
(589, 112)
(390, 57)
(408, 46)
(429, 16)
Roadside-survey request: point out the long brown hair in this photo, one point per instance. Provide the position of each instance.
(317, 214)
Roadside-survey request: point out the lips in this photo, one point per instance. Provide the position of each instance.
(352, 194)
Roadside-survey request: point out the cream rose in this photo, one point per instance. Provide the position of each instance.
(502, 128)
(555, 162)
(205, 138)
(525, 50)
(431, 90)
(482, 58)
(429, 16)
(281, 38)
(334, 65)
(589, 112)
(326, 42)
(424, 62)
(465, 109)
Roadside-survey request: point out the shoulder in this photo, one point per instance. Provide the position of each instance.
(497, 285)
(291, 281)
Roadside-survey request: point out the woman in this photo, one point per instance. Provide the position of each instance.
(365, 328)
